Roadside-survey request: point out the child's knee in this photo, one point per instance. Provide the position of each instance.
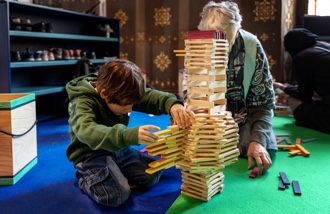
(106, 189)
(114, 198)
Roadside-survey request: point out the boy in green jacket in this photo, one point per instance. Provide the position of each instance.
(100, 140)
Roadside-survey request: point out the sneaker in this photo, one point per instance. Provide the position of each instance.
(27, 55)
(66, 54)
(51, 56)
(83, 54)
(77, 54)
(15, 23)
(39, 27)
(57, 53)
(44, 55)
(15, 56)
(37, 56)
(71, 52)
(49, 27)
(91, 55)
(26, 25)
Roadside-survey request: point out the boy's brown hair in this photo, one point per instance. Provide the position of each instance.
(122, 80)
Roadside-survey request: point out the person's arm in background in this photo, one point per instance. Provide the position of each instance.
(304, 74)
(304, 90)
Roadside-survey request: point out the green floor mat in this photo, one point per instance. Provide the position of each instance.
(242, 194)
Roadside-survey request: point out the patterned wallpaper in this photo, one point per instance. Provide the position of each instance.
(150, 30)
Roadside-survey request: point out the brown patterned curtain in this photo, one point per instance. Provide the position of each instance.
(150, 30)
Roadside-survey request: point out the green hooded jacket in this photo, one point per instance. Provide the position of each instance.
(94, 127)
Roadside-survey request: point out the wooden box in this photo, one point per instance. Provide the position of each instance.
(18, 136)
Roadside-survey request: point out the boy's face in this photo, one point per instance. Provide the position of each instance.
(118, 109)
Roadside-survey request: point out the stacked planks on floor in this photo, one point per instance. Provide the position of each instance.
(203, 150)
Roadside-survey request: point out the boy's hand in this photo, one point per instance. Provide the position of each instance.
(180, 115)
(147, 137)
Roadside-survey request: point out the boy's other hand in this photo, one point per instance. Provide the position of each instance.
(145, 136)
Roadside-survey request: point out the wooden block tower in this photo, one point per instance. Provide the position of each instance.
(210, 143)
(212, 139)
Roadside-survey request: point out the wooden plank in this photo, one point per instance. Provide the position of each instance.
(156, 169)
(286, 146)
(200, 103)
(162, 161)
(281, 186)
(254, 173)
(303, 149)
(179, 51)
(296, 187)
(284, 178)
(295, 152)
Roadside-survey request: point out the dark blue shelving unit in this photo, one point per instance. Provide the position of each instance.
(60, 36)
(47, 79)
(51, 63)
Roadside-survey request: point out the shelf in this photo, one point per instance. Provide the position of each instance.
(60, 36)
(39, 90)
(47, 79)
(51, 63)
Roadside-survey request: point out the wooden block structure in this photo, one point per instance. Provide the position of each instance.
(18, 138)
(169, 147)
(212, 138)
(203, 150)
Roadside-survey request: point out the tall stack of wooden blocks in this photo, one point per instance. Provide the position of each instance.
(212, 139)
(203, 150)
(18, 136)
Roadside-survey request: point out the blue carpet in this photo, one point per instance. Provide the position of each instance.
(51, 186)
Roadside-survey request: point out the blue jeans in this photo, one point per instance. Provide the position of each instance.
(107, 176)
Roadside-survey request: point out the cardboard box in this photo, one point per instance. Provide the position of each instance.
(18, 136)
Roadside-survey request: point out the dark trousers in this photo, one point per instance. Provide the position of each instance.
(107, 176)
(314, 115)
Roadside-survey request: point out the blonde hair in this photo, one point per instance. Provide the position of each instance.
(224, 16)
